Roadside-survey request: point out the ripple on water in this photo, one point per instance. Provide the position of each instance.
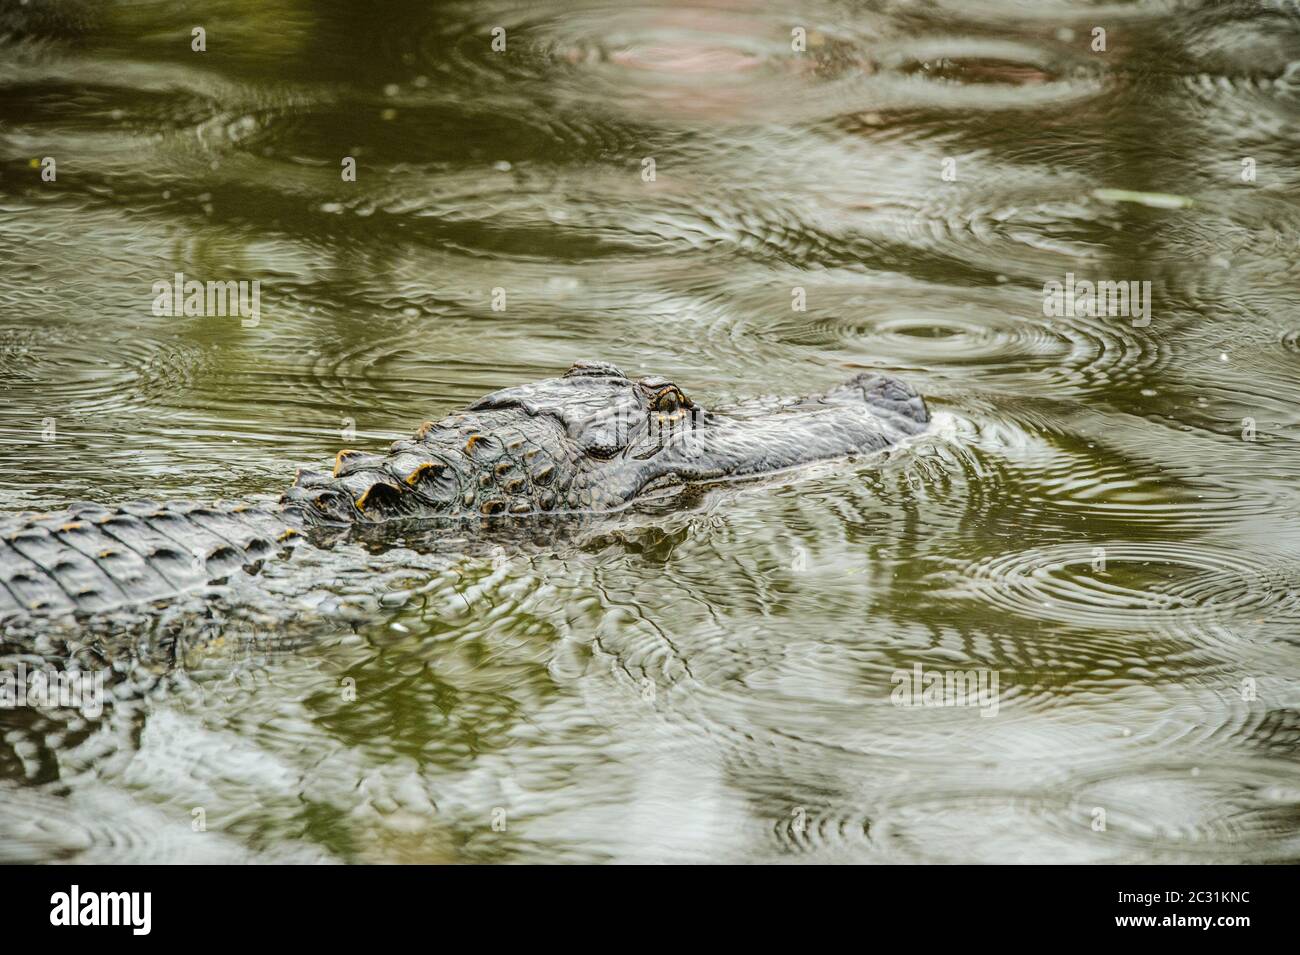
(77, 375)
(1059, 468)
(1138, 585)
(1219, 808)
(823, 829)
(1180, 812)
(1034, 785)
(697, 64)
(988, 343)
(103, 825)
(648, 63)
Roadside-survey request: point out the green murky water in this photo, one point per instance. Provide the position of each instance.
(1104, 519)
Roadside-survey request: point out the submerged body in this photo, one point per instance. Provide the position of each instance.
(592, 440)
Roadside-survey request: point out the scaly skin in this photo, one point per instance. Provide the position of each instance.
(590, 441)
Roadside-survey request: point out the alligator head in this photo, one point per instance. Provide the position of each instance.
(596, 440)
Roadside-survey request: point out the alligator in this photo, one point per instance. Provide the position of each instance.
(590, 441)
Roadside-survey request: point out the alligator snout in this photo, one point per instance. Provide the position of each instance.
(868, 412)
(888, 395)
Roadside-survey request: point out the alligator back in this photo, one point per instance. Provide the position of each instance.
(92, 558)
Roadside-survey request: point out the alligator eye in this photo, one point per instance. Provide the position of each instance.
(669, 400)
